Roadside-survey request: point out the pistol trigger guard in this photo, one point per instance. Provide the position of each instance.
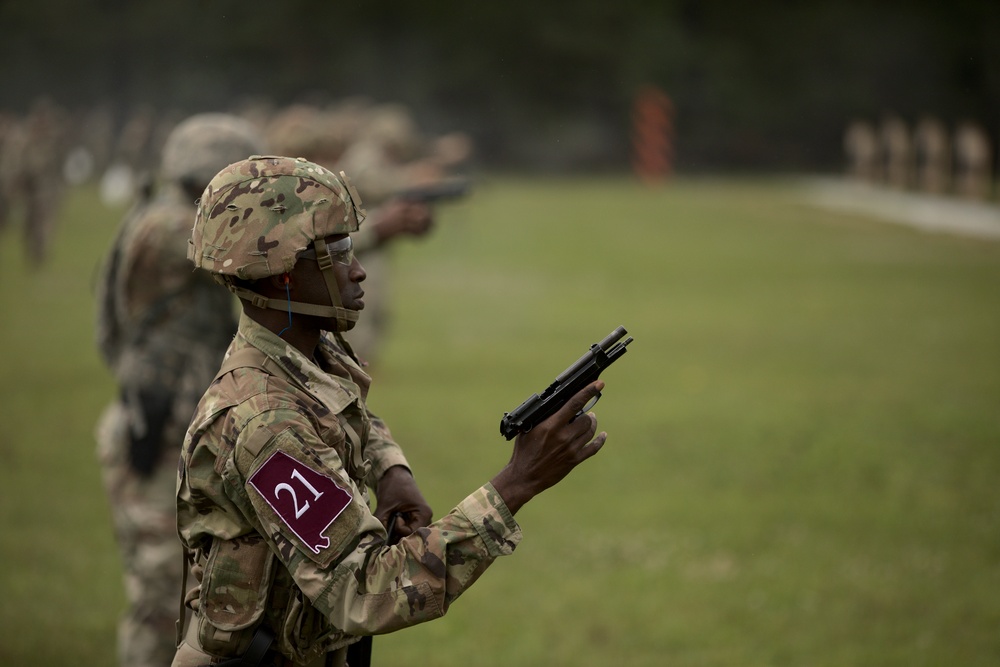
(588, 407)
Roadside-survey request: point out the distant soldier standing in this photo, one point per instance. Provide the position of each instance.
(31, 170)
(8, 125)
(162, 330)
(862, 150)
(387, 157)
(372, 142)
(973, 161)
(129, 169)
(896, 152)
(932, 156)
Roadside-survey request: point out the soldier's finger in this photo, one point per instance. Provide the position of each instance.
(593, 446)
(574, 405)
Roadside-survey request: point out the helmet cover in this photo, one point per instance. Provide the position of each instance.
(256, 215)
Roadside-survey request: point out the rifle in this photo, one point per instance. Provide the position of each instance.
(585, 370)
(443, 190)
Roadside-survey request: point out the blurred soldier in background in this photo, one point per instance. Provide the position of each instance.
(162, 331)
(90, 149)
(973, 161)
(381, 147)
(306, 130)
(97, 136)
(389, 154)
(256, 110)
(132, 160)
(8, 123)
(862, 149)
(387, 157)
(897, 152)
(31, 173)
(932, 155)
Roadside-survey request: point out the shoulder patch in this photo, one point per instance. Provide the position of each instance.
(308, 502)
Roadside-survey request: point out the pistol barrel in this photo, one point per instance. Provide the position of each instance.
(604, 345)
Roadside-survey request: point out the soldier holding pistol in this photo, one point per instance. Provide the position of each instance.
(290, 562)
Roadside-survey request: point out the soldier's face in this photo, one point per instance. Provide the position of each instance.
(346, 269)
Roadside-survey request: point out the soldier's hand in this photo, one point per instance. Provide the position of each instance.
(400, 217)
(544, 455)
(398, 495)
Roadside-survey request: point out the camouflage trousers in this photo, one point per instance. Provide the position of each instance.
(38, 206)
(144, 516)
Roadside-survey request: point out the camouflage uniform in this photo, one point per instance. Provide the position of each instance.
(973, 161)
(862, 149)
(31, 170)
(163, 330)
(896, 152)
(129, 171)
(932, 151)
(272, 498)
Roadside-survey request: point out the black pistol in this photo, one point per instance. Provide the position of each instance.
(588, 368)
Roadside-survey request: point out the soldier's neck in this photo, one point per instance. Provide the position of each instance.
(301, 333)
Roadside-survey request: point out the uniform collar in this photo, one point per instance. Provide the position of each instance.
(333, 390)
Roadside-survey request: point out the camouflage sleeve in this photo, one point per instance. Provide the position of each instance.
(382, 451)
(297, 494)
(417, 579)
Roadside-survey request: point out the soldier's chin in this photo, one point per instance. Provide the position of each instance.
(336, 325)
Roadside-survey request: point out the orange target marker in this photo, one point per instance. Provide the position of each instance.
(652, 136)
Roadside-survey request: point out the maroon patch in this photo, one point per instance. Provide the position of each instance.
(307, 501)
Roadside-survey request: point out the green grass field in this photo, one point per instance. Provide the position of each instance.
(804, 437)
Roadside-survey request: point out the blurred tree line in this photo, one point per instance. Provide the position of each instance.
(763, 85)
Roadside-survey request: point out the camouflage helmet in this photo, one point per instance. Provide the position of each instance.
(203, 144)
(256, 215)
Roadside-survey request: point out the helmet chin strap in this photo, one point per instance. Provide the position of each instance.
(345, 318)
